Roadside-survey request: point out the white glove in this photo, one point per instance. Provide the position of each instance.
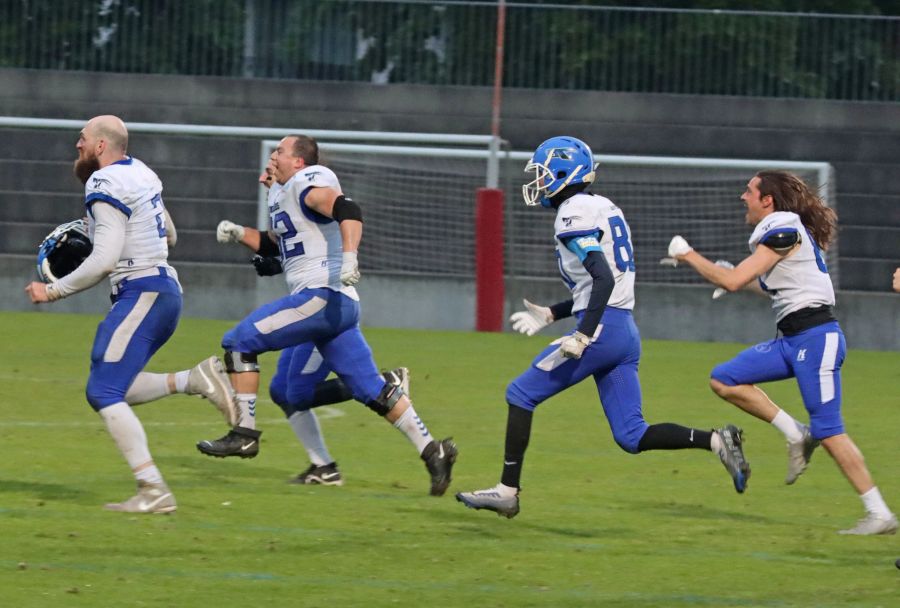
(721, 291)
(531, 320)
(677, 246)
(349, 268)
(573, 346)
(229, 232)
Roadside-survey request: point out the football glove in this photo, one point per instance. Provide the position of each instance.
(229, 232)
(677, 246)
(573, 346)
(721, 291)
(349, 268)
(267, 266)
(532, 320)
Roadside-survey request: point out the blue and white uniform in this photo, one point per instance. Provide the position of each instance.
(320, 311)
(800, 288)
(127, 225)
(586, 223)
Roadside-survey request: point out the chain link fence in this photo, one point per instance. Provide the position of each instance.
(720, 52)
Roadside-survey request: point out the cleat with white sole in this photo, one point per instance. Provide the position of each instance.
(209, 380)
(799, 455)
(150, 498)
(872, 524)
(497, 499)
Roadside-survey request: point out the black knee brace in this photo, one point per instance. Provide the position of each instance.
(244, 362)
(386, 400)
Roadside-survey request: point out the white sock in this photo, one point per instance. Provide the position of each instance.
(127, 432)
(874, 503)
(181, 380)
(306, 428)
(415, 430)
(247, 403)
(506, 491)
(785, 423)
(148, 387)
(715, 443)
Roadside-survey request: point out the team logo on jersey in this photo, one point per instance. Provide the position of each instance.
(313, 174)
(568, 220)
(801, 355)
(99, 181)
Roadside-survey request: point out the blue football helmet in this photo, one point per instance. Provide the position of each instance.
(557, 163)
(63, 250)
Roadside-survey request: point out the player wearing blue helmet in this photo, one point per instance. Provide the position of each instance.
(596, 261)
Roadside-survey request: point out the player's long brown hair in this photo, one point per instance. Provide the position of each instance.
(791, 193)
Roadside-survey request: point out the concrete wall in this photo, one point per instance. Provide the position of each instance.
(665, 312)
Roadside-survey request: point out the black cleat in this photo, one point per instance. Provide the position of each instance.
(439, 457)
(239, 441)
(326, 475)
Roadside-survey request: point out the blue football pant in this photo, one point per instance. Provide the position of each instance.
(326, 319)
(141, 320)
(814, 357)
(612, 359)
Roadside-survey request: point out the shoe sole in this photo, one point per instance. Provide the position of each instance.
(501, 512)
(316, 482)
(229, 455)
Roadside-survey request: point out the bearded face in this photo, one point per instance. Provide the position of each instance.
(85, 165)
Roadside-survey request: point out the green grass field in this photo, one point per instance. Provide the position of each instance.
(598, 527)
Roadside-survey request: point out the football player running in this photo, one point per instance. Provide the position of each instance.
(792, 228)
(316, 231)
(596, 261)
(130, 232)
(300, 382)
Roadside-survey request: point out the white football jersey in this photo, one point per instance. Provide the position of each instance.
(310, 243)
(799, 280)
(134, 189)
(585, 214)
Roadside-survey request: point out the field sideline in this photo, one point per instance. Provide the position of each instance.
(598, 526)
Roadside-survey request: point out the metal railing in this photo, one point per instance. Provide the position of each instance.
(850, 57)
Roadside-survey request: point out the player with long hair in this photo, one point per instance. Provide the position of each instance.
(793, 226)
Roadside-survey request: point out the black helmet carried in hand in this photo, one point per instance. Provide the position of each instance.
(63, 250)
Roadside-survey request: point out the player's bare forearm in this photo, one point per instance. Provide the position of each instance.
(351, 234)
(733, 279)
(252, 238)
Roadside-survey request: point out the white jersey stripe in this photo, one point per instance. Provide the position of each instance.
(283, 318)
(826, 368)
(118, 343)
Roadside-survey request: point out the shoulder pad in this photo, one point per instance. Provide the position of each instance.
(781, 239)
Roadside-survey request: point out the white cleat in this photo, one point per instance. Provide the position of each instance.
(209, 380)
(873, 524)
(150, 498)
(799, 455)
(501, 500)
